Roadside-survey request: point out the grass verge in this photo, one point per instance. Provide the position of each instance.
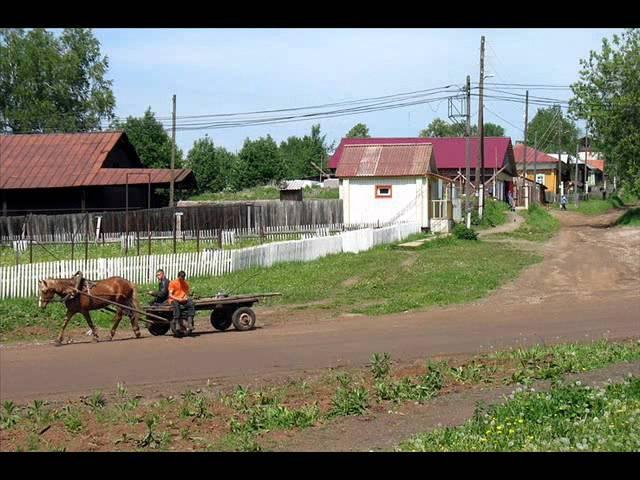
(266, 193)
(539, 225)
(379, 281)
(243, 418)
(631, 218)
(568, 418)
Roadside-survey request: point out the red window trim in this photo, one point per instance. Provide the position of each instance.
(383, 186)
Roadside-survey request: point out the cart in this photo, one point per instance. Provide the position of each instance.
(225, 311)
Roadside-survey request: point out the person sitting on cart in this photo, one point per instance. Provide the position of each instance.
(179, 295)
(161, 296)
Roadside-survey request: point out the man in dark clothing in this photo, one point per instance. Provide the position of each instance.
(162, 295)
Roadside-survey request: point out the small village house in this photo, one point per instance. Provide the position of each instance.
(450, 155)
(542, 168)
(395, 182)
(77, 172)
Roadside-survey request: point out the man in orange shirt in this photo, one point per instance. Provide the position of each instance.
(179, 295)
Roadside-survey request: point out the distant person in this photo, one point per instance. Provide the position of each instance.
(179, 295)
(510, 201)
(563, 202)
(162, 294)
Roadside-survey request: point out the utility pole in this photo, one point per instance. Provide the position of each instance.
(559, 184)
(575, 183)
(467, 184)
(586, 154)
(535, 157)
(524, 168)
(173, 152)
(481, 131)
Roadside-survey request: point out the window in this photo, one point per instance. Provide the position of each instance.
(383, 191)
(540, 178)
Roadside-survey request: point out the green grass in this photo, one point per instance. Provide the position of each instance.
(568, 418)
(495, 213)
(379, 281)
(266, 193)
(110, 250)
(631, 218)
(539, 225)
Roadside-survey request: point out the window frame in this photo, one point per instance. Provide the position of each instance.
(377, 191)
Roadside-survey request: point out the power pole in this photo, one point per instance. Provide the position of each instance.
(481, 130)
(559, 183)
(467, 184)
(587, 145)
(524, 168)
(575, 183)
(173, 152)
(535, 157)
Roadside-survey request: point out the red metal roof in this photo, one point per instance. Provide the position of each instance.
(532, 154)
(69, 160)
(386, 160)
(449, 152)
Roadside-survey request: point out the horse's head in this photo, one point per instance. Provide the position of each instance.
(47, 292)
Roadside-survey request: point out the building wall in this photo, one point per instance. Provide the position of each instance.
(550, 178)
(409, 200)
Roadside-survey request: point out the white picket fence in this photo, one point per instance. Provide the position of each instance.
(22, 280)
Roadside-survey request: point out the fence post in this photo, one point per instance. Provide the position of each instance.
(220, 238)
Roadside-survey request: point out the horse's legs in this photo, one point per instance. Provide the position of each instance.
(134, 324)
(94, 333)
(64, 325)
(116, 322)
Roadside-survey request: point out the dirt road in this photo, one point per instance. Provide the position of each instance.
(587, 287)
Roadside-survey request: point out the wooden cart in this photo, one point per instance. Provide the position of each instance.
(225, 310)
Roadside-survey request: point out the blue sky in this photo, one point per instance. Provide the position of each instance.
(236, 70)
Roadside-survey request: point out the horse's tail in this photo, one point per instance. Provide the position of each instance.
(135, 300)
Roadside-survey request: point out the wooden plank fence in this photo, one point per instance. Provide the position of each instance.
(21, 281)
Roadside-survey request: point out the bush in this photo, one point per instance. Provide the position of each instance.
(461, 232)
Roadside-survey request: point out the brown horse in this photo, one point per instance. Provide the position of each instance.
(116, 289)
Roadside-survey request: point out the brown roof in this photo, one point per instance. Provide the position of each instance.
(69, 160)
(386, 160)
(532, 155)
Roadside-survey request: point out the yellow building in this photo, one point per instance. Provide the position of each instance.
(545, 166)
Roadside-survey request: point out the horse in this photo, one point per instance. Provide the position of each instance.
(116, 289)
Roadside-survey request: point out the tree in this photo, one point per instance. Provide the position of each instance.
(359, 130)
(544, 127)
(607, 96)
(299, 153)
(492, 130)
(151, 141)
(211, 165)
(440, 128)
(259, 162)
(53, 84)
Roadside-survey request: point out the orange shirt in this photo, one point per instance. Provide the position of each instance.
(178, 288)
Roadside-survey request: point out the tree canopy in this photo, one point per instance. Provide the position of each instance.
(607, 96)
(543, 129)
(441, 128)
(150, 139)
(211, 165)
(53, 84)
(300, 153)
(359, 130)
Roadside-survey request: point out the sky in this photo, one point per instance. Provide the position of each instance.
(239, 70)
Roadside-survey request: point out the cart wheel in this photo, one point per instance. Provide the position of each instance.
(243, 319)
(157, 329)
(220, 319)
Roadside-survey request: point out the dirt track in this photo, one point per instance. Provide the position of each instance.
(587, 287)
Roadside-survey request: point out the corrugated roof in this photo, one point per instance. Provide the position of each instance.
(386, 160)
(69, 160)
(532, 154)
(449, 152)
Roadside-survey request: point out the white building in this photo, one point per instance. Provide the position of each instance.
(393, 183)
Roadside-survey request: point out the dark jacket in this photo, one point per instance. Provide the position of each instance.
(163, 291)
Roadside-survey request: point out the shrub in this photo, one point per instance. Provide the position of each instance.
(461, 232)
